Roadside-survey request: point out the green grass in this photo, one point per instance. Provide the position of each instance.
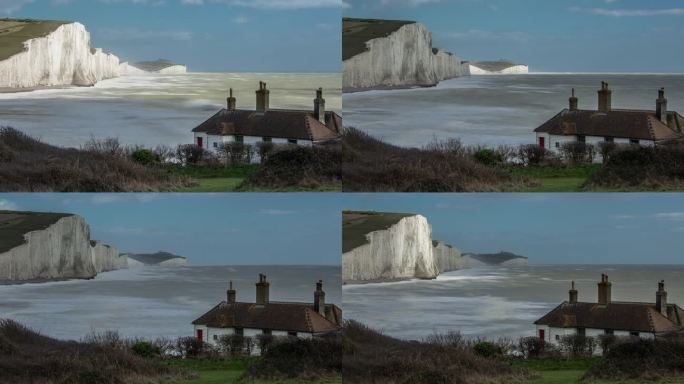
(219, 184)
(568, 371)
(214, 178)
(228, 371)
(14, 32)
(556, 178)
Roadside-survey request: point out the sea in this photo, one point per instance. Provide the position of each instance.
(497, 302)
(153, 110)
(153, 302)
(496, 109)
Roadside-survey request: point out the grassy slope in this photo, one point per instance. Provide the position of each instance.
(14, 32)
(556, 178)
(356, 225)
(356, 32)
(222, 371)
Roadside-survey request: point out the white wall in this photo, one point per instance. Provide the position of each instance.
(213, 335)
(213, 142)
(553, 335)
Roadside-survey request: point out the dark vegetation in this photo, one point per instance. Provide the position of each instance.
(356, 32)
(370, 357)
(642, 360)
(28, 357)
(316, 168)
(27, 164)
(370, 165)
(357, 224)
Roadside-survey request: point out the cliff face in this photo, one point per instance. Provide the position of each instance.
(61, 250)
(447, 258)
(498, 68)
(501, 259)
(403, 58)
(63, 57)
(402, 251)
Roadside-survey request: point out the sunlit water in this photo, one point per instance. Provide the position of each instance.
(494, 110)
(154, 110)
(153, 301)
(496, 302)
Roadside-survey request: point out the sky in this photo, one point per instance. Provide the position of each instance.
(207, 35)
(554, 228)
(208, 229)
(549, 36)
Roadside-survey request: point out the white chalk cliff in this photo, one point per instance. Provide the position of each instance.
(403, 58)
(512, 70)
(447, 258)
(402, 251)
(62, 250)
(65, 57)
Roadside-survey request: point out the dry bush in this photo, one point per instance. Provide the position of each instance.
(370, 357)
(297, 167)
(28, 357)
(576, 152)
(101, 167)
(637, 167)
(641, 359)
(370, 165)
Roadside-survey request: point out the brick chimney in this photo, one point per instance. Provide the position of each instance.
(231, 293)
(319, 298)
(661, 106)
(262, 290)
(573, 293)
(661, 298)
(604, 98)
(231, 101)
(604, 288)
(262, 98)
(573, 101)
(319, 106)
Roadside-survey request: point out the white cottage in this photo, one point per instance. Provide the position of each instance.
(277, 126)
(607, 317)
(621, 126)
(265, 317)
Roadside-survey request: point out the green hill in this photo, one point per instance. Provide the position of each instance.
(14, 32)
(356, 224)
(356, 32)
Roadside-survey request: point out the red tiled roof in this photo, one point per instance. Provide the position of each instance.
(626, 316)
(280, 316)
(632, 124)
(274, 123)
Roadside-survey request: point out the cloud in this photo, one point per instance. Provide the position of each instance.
(10, 6)
(241, 20)
(271, 4)
(630, 12)
(7, 205)
(678, 216)
(135, 34)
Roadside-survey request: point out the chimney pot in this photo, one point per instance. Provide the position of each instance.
(661, 106)
(231, 101)
(262, 98)
(604, 290)
(319, 106)
(262, 290)
(604, 98)
(661, 298)
(231, 293)
(319, 298)
(573, 101)
(573, 293)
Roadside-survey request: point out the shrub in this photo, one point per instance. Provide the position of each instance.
(264, 149)
(532, 347)
(641, 360)
(606, 342)
(264, 341)
(145, 349)
(606, 149)
(236, 345)
(578, 345)
(189, 154)
(576, 152)
(487, 349)
(109, 146)
(531, 154)
(145, 157)
(488, 157)
(192, 347)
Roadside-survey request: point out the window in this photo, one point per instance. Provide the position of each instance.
(268, 139)
(239, 331)
(293, 334)
(634, 141)
(267, 331)
(608, 331)
(557, 337)
(581, 331)
(291, 141)
(215, 144)
(608, 139)
(634, 334)
(215, 337)
(581, 138)
(239, 138)
(557, 144)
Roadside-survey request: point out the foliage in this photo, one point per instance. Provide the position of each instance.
(578, 345)
(487, 349)
(145, 349)
(488, 156)
(576, 152)
(145, 157)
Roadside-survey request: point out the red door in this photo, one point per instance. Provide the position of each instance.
(200, 142)
(542, 142)
(541, 335)
(200, 335)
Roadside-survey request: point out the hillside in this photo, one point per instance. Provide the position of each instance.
(14, 32)
(497, 67)
(356, 225)
(502, 258)
(155, 66)
(356, 32)
(157, 258)
(14, 225)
